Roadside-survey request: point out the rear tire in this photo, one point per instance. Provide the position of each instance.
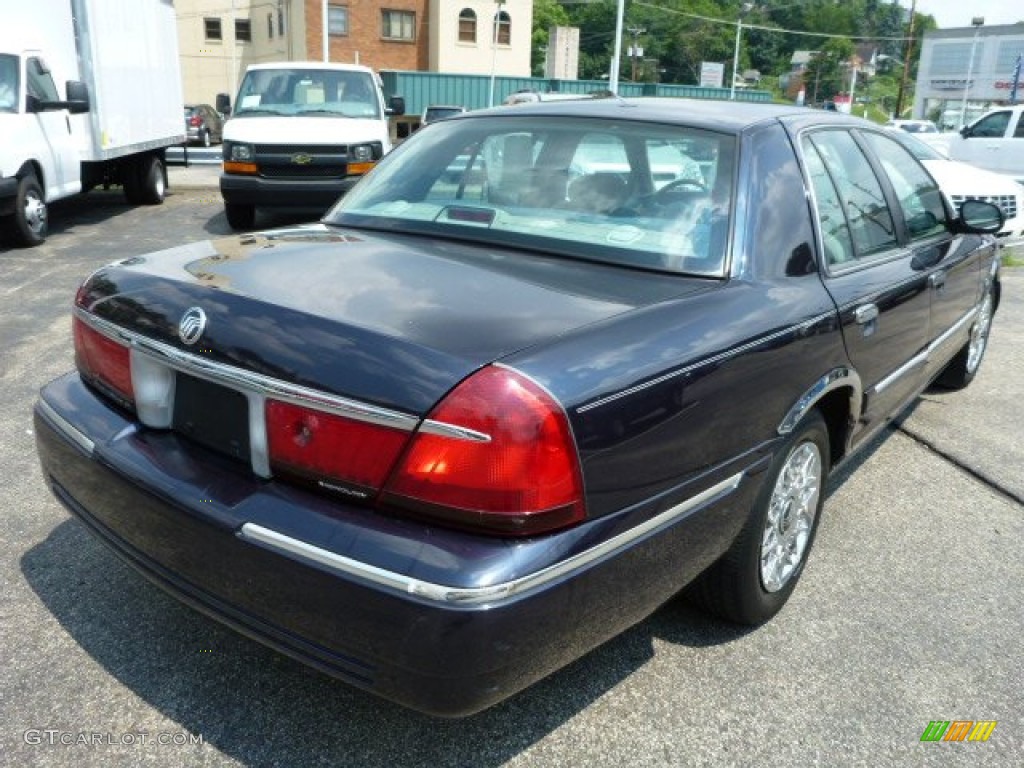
(964, 367)
(240, 215)
(29, 223)
(205, 139)
(755, 577)
(152, 180)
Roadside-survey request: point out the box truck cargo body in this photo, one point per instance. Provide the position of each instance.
(90, 94)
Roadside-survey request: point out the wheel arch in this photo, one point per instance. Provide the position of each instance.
(838, 395)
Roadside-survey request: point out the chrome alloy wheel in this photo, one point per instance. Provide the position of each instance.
(35, 213)
(791, 512)
(979, 334)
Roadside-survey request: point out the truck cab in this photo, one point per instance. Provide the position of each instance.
(300, 134)
(995, 141)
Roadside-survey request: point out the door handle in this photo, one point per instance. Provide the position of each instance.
(865, 313)
(937, 280)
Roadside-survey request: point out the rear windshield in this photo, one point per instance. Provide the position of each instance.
(638, 194)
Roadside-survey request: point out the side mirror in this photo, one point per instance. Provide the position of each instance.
(979, 217)
(396, 106)
(78, 97)
(965, 132)
(223, 104)
(77, 101)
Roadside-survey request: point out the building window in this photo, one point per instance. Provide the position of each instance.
(503, 31)
(280, 21)
(270, 26)
(212, 29)
(243, 31)
(337, 20)
(467, 26)
(398, 25)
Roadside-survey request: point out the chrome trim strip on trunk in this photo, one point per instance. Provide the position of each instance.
(65, 427)
(481, 595)
(248, 382)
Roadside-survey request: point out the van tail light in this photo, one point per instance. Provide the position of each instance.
(335, 453)
(195, 121)
(104, 362)
(497, 455)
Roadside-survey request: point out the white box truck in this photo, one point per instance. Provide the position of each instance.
(90, 94)
(301, 134)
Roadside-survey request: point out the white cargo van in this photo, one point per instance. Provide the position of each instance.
(300, 135)
(90, 94)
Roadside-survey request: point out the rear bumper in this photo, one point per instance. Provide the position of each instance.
(444, 622)
(283, 193)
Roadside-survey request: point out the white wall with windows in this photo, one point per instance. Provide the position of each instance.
(947, 72)
(218, 39)
(481, 36)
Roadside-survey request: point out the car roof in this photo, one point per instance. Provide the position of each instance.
(728, 116)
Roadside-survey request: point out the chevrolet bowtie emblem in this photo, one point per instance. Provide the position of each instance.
(302, 159)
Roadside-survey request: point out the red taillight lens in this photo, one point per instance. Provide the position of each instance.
(104, 362)
(524, 479)
(195, 121)
(330, 449)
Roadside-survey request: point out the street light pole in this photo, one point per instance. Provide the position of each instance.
(736, 57)
(613, 71)
(906, 61)
(977, 22)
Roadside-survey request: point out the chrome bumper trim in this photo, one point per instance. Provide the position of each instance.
(450, 595)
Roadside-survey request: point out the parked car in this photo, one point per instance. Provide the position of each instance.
(203, 124)
(995, 141)
(440, 112)
(484, 416)
(913, 126)
(961, 181)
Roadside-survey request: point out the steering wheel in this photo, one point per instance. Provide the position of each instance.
(665, 193)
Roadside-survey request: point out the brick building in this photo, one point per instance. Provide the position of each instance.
(218, 39)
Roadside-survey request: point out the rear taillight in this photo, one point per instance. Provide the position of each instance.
(336, 453)
(195, 121)
(104, 362)
(497, 454)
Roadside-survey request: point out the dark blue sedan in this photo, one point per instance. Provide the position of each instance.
(543, 369)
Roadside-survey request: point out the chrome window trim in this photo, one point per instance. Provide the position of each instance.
(65, 427)
(248, 382)
(451, 595)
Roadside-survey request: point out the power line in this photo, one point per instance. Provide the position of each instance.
(763, 28)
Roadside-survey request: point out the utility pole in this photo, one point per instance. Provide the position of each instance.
(906, 61)
(635, 32)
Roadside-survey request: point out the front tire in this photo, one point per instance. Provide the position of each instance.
(240, 216)
(755, 577)
(29, 223)
(964, 367)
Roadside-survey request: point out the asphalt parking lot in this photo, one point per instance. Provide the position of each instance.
(910, 610)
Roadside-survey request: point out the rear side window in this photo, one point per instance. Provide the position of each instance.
(871, 226)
